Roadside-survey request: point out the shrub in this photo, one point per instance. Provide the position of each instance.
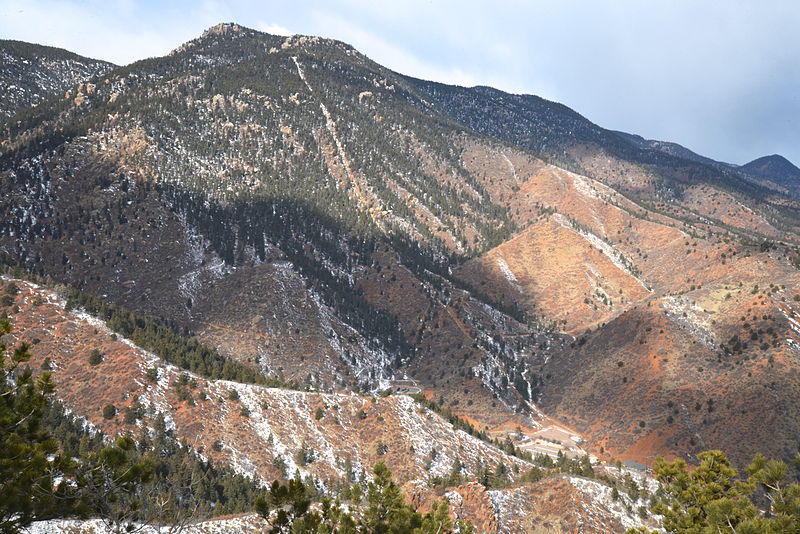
(95, 358)
(152, 374)
(109, 411)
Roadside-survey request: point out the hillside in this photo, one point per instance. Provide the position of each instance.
(284, 189)
(278, 423)
(268, 433)
(671, 318)
(551, 506)
(326, 221)
(30, 74)
(655, 174)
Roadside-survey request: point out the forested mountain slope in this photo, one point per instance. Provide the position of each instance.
(284, 199)
(657, 174)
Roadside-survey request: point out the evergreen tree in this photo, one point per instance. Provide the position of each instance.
(386, 509)
(113, 484)
(710, 499)
(438, 521)
(28, 460)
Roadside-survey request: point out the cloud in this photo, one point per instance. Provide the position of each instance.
(120, 31)
(274, 29)
(389, 54)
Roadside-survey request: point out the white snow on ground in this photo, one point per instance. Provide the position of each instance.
(508, 504)
(156, 394)
(602, 503)
(330, 125)
(190, 283)
(92, 320)
(435, 431)
(234, 525)
(510, 166)
(281, 421)
(365, 358)
(691, 317)
(794, 324)
(616, 257)
(506, 270)
(583, 186)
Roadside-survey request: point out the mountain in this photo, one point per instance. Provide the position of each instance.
(550, 506)
(321, 220)
(319, 197)
(673, 149)
(31, 73)
(775, 168)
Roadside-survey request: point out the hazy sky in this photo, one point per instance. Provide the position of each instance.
(720, 77)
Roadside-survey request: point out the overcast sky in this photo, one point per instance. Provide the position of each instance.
(719, 77)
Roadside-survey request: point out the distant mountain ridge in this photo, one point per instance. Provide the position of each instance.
(664, 171)
(668, 147)
(775, 168)
(31, 73)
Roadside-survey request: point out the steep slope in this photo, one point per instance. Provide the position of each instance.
(551, 506)
(268, 433)
(673, 149)
(317, 216)
(585, 241)
(32, 73)
(656, 303)
(263, 432)
(687, 372)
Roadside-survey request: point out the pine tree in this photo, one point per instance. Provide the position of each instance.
(386, 509)
(28, 465)
(711, 499)
(110, 483)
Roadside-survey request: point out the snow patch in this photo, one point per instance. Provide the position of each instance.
(506, 270)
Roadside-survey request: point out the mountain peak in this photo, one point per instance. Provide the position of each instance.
(775, 168)
(224, 34)
(32, 73)
(224, 28)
